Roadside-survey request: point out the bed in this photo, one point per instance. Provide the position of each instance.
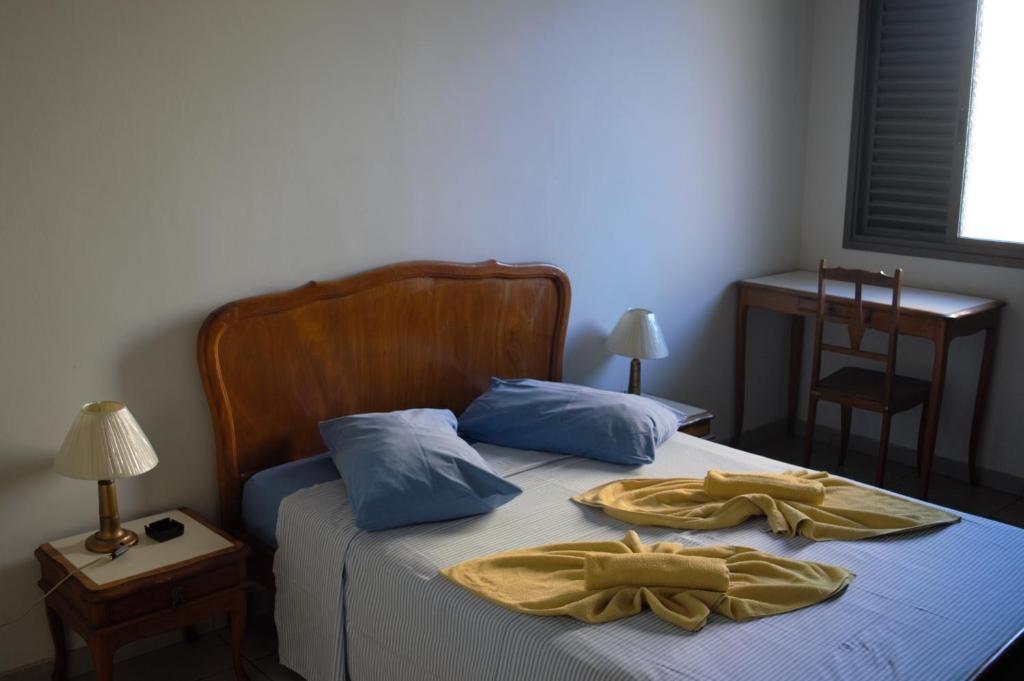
(351, 604)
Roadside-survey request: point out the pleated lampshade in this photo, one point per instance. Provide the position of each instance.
(105, 443)
(637, 335)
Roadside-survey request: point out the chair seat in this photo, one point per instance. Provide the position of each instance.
(869, 385)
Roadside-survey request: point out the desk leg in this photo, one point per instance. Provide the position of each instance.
(237, 634)
(796, 356)
(740, 375)
(931, 425)
(60, 647)
(981, 399)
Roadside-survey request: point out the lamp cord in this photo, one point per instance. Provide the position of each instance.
(112, 556)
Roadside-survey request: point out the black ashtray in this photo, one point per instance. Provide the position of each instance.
(164, 529)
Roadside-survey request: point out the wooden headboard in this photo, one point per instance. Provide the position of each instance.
(414, 334)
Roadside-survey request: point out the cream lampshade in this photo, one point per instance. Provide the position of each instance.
(637, 335)
(105, 443)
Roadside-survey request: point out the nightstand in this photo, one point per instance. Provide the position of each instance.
(153, 588)
(698, 421)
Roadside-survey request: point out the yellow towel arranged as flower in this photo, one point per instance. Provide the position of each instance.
(602, 581)
(848, 511)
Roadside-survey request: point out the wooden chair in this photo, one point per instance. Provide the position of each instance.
(884, 392)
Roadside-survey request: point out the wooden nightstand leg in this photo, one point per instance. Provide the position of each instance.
(102, 658)
(238, 633)
(60, 647)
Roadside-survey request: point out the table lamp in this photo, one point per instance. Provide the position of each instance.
(637, 335)
(106, 443)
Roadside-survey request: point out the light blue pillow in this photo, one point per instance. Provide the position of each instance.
(407, 467)
(570, 419)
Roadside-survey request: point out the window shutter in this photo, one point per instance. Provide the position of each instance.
(910, 115)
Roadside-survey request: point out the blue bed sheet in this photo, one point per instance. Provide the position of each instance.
(263, 492)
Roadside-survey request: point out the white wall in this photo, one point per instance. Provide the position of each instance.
(827, 147)
(160, 158)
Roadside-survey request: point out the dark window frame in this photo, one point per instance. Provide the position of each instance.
(948, 245)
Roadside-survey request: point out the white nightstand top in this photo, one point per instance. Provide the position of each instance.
(146, 556)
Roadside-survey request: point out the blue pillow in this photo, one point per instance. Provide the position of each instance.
(570, 419)
(407, 467)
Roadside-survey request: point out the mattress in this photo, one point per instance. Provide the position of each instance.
(263, 492)
(935, 604)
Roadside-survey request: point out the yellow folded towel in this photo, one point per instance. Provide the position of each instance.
(775, 485)
(552, 580)
(601, 571)
(848, 511)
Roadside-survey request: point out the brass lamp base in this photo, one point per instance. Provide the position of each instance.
(98, 544)
(111, 534)
(634, 377)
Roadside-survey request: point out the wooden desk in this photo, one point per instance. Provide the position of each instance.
(939, 317)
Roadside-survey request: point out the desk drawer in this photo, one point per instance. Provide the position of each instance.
(808, 305)
(837, 311)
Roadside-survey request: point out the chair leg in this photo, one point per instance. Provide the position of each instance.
(844, 433)
(883, 449)
(812, 413)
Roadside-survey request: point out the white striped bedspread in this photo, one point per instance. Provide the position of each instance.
(371, 605)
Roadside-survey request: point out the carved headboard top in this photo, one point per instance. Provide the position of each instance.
(414, 334)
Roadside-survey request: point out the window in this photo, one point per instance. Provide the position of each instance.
(995, 140)
(936, 143)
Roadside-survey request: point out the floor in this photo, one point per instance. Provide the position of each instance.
(206, 659)
(953, 493)
(209, 658)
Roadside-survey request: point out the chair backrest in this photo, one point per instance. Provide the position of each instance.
(856, 320)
